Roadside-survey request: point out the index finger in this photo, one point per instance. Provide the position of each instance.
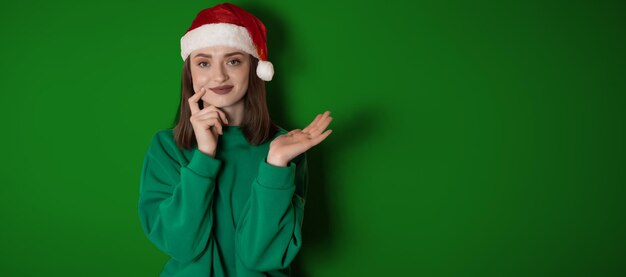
(193, 101)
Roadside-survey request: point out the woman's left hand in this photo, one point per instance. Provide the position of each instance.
(288, 146)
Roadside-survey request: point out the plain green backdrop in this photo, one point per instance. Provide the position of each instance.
(471, 138)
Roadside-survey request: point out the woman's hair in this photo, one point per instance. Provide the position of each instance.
(257, 126)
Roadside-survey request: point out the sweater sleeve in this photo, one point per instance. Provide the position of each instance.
(269, 235)
(175, 199)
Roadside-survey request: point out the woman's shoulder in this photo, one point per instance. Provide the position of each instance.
(163, 142)
(163, 136)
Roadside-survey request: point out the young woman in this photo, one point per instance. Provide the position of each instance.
(223, 192)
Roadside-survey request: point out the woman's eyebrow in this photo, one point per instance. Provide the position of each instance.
(225, 55)
(232, 54)
(202, 55)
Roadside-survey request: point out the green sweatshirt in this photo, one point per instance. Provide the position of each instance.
(232, 215)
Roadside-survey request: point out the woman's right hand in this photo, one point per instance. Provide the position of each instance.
(207, 123)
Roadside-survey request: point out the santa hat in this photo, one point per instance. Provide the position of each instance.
(229, 25)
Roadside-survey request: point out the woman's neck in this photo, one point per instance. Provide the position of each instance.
(234, 113)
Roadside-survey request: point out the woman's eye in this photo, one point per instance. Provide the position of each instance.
(234, 62)
(203, 64)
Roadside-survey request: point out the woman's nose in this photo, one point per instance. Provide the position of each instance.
(220, 74)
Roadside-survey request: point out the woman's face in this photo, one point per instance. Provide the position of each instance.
(223, 71)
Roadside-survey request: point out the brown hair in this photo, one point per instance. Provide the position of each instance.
(257, 126)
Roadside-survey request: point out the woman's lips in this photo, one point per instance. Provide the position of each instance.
(222, 89)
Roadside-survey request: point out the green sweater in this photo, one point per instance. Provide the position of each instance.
(232, 215)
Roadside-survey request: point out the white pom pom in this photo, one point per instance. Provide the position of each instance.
(265, 70)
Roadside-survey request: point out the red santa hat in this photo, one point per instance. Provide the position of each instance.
(229, 25)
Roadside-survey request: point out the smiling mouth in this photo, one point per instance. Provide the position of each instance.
(222, 89)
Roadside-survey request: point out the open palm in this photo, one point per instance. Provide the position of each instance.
(288, 146)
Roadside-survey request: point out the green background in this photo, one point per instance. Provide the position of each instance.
(471, 138)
